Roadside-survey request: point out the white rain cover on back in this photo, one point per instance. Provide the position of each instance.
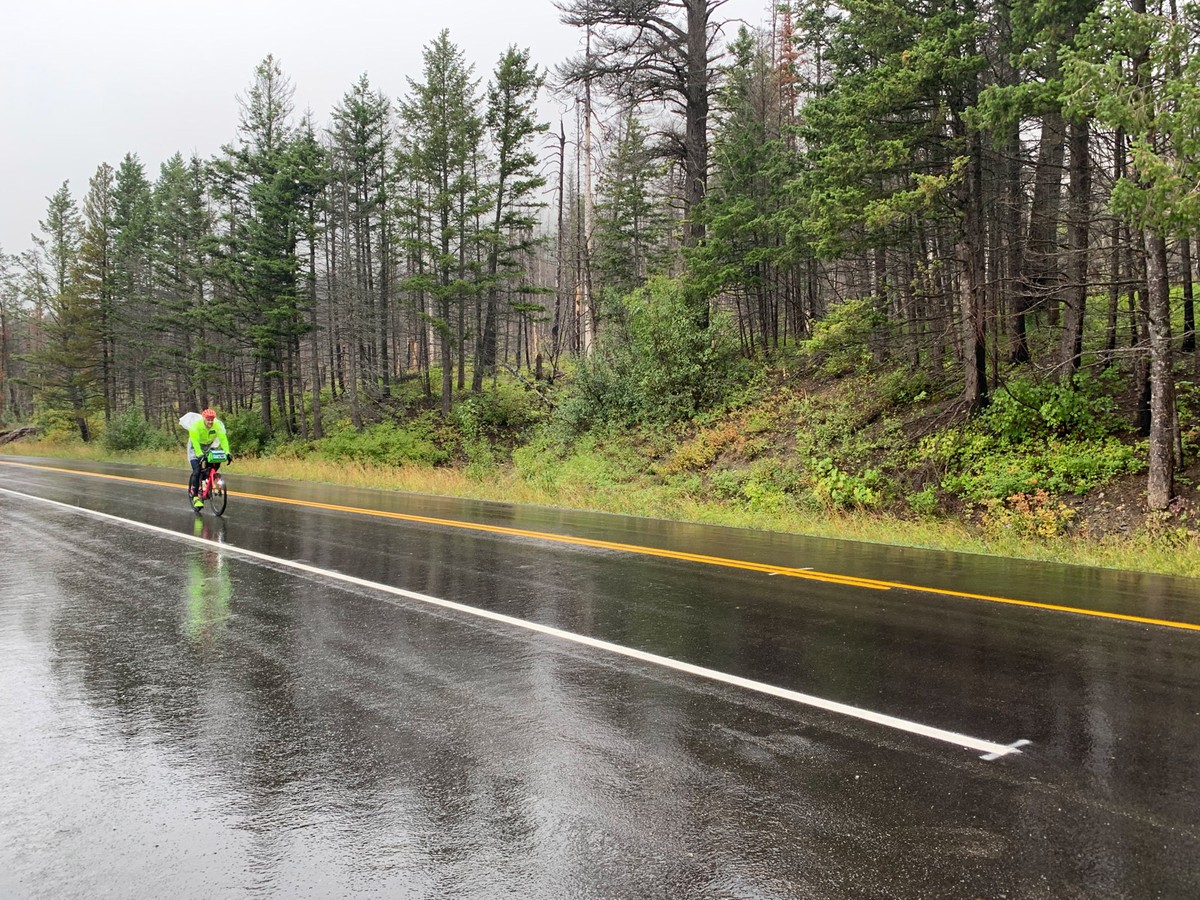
(187, 420)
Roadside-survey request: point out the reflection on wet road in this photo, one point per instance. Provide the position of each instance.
(180, 718)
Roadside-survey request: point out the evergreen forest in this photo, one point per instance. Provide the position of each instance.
(928, 259)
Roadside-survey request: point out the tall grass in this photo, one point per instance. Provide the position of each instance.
(594, 479)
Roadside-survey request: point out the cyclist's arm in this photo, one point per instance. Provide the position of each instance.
(222, 437)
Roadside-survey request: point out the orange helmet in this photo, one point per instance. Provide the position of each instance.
(208, 414)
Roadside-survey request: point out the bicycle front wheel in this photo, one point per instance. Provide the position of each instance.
(218, 499)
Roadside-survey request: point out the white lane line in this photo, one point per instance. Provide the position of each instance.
(989, 749)
(1014, 747)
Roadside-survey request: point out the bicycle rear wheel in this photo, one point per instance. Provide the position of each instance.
(218, 499)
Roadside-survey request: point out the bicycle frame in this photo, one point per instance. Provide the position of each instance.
(208, 479)
(212, 486)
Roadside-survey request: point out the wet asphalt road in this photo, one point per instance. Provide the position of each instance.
(179, 720)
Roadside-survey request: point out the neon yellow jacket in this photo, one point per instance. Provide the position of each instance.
(201, 437)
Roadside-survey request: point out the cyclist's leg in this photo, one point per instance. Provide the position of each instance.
(197, 483)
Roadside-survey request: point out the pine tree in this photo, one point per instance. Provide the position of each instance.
(444, 128)
(631, 226)
(1027, 98)
(511, 125)
(96, 274)
(312, 166)
(184, 354)
(1140, 71)
(361, 157)
(258, 183)
(65, 365)
(748, 210)
(660, 53)
(892, 161)
(15, 400)
(133, 215)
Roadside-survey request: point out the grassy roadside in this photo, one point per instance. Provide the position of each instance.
(638, 496)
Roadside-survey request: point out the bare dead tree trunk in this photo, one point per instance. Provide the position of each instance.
(556, 327)
(1079, 194)
(1161, 480)
(592, 324)
(1189, 307)
(696, 115)
(314, 345)
(1160, 485)
(1117, 255)
(1013, 215)
(1041, 250)
(972, 250)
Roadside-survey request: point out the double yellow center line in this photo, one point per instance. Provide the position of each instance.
(724, 562)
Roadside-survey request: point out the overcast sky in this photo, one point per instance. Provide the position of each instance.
(83, 82)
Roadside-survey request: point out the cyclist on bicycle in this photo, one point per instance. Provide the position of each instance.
(205, 432)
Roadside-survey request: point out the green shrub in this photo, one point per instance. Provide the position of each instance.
(769, 487)
(658, 363)
(130, 431)
(1078, 466)
(902, 387)
(290, 450)
(496, 418)
(842, 490)
(837, 426)
(1034, 514)
(601, 462)
(831, 430)
(481, 460)
(726, 484)
(690, 484)
(924, 502)
(993, 478)
(386, 444)
(246, 432)
(840, 342)
(1037, 437)
(56, 425)
(982, 468)
(536, 461)
(505, 410)
(1025, 410)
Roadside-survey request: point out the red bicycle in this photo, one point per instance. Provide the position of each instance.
(212, 484)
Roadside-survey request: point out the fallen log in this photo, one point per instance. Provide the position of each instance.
(16, 434)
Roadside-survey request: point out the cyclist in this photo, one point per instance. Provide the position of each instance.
(207, 431)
